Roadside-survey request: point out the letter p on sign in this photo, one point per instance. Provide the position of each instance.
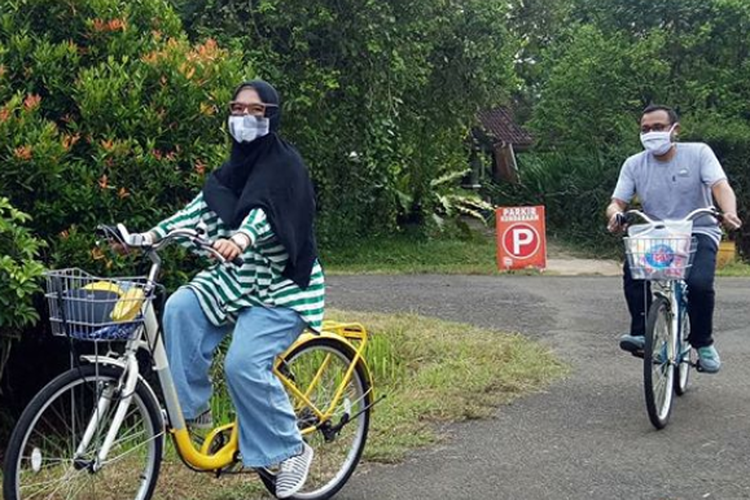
(525, 238)
(521, 238)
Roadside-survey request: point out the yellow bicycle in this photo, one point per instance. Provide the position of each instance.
(97, 430)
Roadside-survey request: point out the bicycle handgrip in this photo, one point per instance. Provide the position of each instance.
(237, 261)
(624, 219)
(109, 233)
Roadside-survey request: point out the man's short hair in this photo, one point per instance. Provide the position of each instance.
(673, 118)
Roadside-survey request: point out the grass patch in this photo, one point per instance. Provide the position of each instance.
(435, 371)
(431, 371)
(474, 255)
(735, 269)
(413, 255)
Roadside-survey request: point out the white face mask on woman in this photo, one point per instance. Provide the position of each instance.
(247, 128)
(658, 143)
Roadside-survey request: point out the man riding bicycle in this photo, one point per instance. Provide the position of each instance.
(672, 179)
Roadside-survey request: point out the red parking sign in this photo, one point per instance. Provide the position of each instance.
(521, 237)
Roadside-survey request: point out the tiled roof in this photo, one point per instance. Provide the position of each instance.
(499, 123)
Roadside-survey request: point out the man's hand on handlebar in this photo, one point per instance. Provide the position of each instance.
(616, 222)
(731, 221)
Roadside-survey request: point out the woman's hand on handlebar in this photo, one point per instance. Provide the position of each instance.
(118, 247)
(228, 249)
(121, 240)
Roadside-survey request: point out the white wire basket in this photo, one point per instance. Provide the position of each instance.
(660, 258)
(87, 307)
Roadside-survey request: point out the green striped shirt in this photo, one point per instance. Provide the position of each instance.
(224, 289)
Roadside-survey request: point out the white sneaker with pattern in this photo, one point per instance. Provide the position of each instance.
(293, 473)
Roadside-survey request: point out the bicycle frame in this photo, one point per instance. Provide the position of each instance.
(203, 459)
(675, 292)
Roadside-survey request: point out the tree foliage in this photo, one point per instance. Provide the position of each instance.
(107, 114)
(380, 94)
(607, 59)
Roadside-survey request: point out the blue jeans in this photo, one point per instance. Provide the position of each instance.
(267, 423)
(701, 295)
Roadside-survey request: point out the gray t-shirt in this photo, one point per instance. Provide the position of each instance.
(670, 190)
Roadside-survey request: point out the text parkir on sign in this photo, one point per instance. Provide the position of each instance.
(521, 238)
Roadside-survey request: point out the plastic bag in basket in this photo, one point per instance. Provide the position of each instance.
(660, 252)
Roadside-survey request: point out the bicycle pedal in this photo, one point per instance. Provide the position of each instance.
(638, 354)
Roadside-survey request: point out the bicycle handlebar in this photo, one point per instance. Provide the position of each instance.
(629, 216)
(190, 234)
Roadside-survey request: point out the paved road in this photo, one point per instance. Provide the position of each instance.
(588, 437)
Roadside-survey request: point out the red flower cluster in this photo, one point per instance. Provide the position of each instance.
(101, 26)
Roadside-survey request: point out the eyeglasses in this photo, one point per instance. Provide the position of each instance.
(254, 108)
(656, 127)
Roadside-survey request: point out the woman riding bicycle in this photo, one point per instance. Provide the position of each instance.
(258, 206)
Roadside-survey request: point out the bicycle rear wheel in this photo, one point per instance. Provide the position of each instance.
(42, 459)
(658, 366)
(686, 356)
(317, 368)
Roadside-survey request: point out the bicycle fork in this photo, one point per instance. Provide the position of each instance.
(673, 349)
(126, 390)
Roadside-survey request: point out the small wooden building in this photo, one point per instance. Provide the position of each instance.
(499, 136)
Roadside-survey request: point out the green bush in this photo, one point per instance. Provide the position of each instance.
(575, 190)
(107, 114)
(20, 272)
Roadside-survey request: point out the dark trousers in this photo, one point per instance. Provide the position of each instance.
(701, 295)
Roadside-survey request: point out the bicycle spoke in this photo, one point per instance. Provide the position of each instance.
(132, 450)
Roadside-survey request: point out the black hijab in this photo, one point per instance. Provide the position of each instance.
(269, 173)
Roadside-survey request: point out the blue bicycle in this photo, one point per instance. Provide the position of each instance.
(661, 253)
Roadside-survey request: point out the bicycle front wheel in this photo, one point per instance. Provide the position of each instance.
(658, 366)
(45, 456)
(317, 369)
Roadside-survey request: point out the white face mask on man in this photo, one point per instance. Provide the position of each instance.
(247, 128)
(658, 143)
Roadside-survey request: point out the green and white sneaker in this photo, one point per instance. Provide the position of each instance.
(709, 359)
(632, 343)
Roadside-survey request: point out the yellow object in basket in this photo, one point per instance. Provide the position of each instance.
(128, 305)
(104, 286)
